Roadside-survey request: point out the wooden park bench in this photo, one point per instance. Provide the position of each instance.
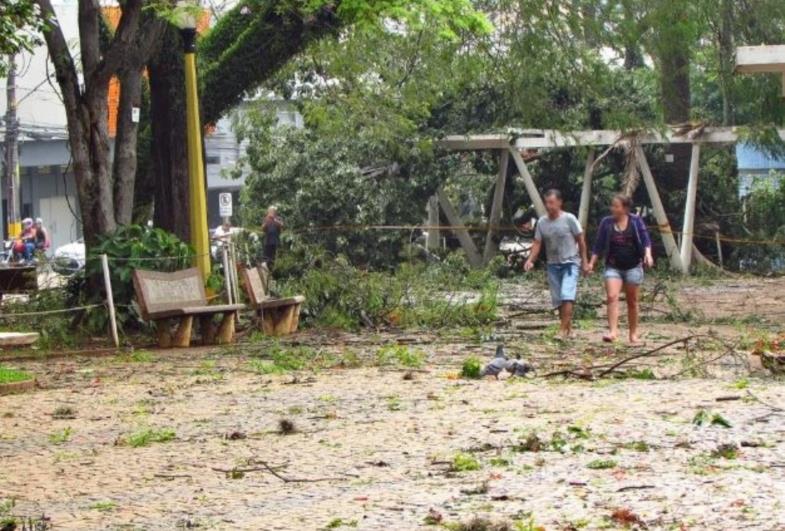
(18, 279)
(277, 317)
(180, 296)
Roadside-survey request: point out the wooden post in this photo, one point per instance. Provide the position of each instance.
(689, 209)
(496, 207)
(583, 210)
(227, 272)
(110, 300)
(233, 270)
(472, 254)
(719, 248)
(432, 242)
(528, 182)
(659, 211)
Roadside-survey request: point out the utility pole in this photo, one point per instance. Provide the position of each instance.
(11, 159)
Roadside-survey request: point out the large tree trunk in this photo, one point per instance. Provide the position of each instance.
(673, 43)
(125, 159)
(168, 131)
(727, 53)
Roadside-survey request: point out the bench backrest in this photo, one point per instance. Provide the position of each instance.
(18, 279)
(159, 292)
(256, 279)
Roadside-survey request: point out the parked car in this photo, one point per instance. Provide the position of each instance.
(69, 258)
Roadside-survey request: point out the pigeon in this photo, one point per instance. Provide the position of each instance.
(517, 367)
(497, 364)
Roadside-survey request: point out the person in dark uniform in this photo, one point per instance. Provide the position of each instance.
(624, 241)
(271, 227)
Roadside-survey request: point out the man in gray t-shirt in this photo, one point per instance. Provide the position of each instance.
(565, 246)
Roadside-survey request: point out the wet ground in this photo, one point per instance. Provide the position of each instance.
(692, 437)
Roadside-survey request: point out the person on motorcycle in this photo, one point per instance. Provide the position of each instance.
(25, 244)
(42, 240)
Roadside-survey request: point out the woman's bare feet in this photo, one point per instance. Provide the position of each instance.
(634, 339)
(609, 337)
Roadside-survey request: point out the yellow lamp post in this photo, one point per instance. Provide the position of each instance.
(200, 240)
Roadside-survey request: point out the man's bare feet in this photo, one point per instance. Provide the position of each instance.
(634, 339)
(609, 337)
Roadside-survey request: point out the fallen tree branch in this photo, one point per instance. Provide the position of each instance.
(266, 467)
(660, 348)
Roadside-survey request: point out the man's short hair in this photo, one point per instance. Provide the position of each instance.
(553, 192)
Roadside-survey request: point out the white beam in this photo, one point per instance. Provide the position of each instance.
(432, 241)
(664, 226)
(756, 59)
(528, 182)
(550, 138)
(475, 142)
(472, 254)
(583, 210)
(689, 209)
(496, 207)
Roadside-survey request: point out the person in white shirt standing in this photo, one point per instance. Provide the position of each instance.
(565, 246)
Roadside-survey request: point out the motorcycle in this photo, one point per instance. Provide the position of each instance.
(8, 258)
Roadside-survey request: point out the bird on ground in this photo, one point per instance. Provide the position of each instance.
(518, 367)
(497, 364)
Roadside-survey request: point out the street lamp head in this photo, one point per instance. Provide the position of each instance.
(185, 15)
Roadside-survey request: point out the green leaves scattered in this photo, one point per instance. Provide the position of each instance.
(465, 462)
(10, 375)
(601, 464)
(62, 436)
(148, 436)
(400, 355)
(707, 418)
(471, 368)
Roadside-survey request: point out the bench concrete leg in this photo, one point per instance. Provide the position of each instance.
(226, 329)
(163, 333)
(207, 329)
(283, 326)
(182, 338)
(280, 321)
(294, 323)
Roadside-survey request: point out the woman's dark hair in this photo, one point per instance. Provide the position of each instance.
(625, 200)
(553, 192)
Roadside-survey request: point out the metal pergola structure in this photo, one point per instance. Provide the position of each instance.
(511, 145)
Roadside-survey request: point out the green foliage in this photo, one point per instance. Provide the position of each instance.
(601, 464)
(471, 368)
(335, 523)
(20, 20)
(104, 506)
(55, 329)
(148, 436)
(339, 295)
(708, 418)
(10, 375)
(400, 355)
(280, 359)
(61, 436)
(726, 451)
(465, 462)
